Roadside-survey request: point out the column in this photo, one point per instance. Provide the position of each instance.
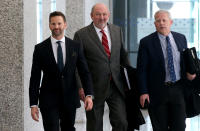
(11, 65)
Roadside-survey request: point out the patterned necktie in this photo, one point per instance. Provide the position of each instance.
(105, 43)
(60, 56)
(170, 60)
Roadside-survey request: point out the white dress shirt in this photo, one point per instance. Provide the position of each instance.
(176, 56)
(107, 32)
(55, 46)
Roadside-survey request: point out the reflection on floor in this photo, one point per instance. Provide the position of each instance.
(81, 125)
(193, 124)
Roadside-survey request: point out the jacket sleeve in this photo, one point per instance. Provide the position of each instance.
(83, 71)
(142, 66)
(123, 54)
(35, 79)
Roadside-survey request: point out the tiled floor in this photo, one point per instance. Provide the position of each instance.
(81, 125)
(193, 124)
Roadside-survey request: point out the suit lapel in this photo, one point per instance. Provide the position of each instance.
(178, 42)
(94, 36)
(158, 49)
(111, 38)
(51, 55)
(68, 52)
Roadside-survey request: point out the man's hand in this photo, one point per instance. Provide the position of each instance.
(88, 103)
(190, 76)
(143, 98)
(35, 113)
(81, 94)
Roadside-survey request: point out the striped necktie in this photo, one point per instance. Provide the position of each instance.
(105, 43)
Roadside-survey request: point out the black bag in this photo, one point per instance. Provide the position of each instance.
(192, 97)
(191, 60)
(134, 115)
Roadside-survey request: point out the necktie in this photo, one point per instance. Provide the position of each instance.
(60, 56)
(105, 43)
(170, 60)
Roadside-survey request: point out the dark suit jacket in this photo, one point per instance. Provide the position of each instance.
(58, 87)
(100, 66)
(151, 65)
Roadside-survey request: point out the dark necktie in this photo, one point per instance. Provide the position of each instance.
(60, 56)
(170, 60)
(105, 43)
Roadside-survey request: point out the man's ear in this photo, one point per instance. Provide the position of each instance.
(171, 22)
(65, 24)
(91, 15)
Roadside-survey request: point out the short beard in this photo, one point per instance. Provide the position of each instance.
(56, 34)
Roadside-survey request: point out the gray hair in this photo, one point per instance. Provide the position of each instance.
(93, 7)
(162, 11)
(92, 10)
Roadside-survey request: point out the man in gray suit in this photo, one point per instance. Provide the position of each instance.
(103, 48)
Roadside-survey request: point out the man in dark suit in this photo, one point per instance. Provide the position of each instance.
(103, 48)
(57, 58)
(161, 73)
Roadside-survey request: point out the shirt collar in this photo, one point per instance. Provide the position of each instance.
(53, 40)
(164, 37)
(98, 30)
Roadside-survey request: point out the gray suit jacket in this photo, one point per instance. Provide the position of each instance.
(100, 66)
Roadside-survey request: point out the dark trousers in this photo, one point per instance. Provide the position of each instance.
(55, 119)
(117, 112)
(170, 114)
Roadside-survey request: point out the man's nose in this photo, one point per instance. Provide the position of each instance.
(161, 22)
(56, 25)
(101, 16)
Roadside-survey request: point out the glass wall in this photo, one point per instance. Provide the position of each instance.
(40, 17)
(136, 17)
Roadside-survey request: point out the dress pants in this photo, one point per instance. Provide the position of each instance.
(117, 112)
(169, 115)
(57, 118)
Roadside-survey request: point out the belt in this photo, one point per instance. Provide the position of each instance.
(170, 83)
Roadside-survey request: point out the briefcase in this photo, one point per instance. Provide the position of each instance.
(192, 97)
(134, 115)
(191, 60)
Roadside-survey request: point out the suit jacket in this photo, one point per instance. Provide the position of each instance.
(58, 87)
(100, 66)
(151, 65)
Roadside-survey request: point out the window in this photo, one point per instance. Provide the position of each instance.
(39, 21)
(53, 5)
(40, 17)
